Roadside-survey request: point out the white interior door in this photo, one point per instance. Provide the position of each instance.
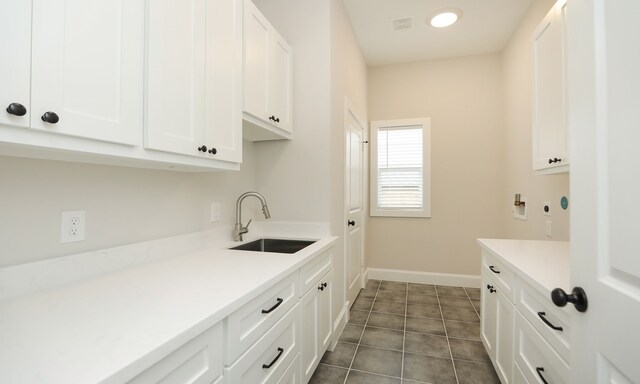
(354, 189)
(604, 118)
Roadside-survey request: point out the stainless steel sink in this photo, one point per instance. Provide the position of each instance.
(274, 245)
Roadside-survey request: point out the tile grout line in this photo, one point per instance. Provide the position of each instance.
(473, 306)
(404, 331)
(362, 334)
(446, 334)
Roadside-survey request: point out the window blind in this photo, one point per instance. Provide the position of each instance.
(400, 182)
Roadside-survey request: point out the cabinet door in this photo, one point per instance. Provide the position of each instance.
(549, 122)
(256, 61)
(87, 68)
(309, 339)
(175, 86)
(15, 65)
(504, 337)
(280, 84)
(325, 320)
(223, 93)
(488, 316)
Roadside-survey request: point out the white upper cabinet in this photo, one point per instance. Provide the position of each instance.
(87, 68)
(193, 89)
(268, 64)
(550, 141)
(15, 65)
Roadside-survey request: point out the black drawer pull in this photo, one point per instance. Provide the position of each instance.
(492, 268)
(274, 307)
(542, 317)
(540, 370)
(267, 366)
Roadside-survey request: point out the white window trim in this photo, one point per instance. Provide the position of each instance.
(425, 211)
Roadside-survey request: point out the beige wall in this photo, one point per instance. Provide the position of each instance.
(519, 178)
(464, 99)
(348, 80)
(295, 175)
(123, 205)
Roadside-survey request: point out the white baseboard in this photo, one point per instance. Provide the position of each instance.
(339, 324)
(455, 280)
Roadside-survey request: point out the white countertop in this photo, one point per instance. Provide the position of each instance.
(109, 327)
(544, 264)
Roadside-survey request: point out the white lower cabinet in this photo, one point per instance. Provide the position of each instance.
(199, 361)
(497, 328)
(317, 320)
(269, 357)
(537, 359)
(523, 333)
(292, 374)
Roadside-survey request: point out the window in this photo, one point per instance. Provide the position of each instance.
(401, 168)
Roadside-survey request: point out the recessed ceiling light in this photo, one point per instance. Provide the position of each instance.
(445, 17)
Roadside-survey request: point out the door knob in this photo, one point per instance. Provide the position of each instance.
(16, 109)
(351, 223)
(213, 151)
(578, 298)
(203, 148)
(50, 117)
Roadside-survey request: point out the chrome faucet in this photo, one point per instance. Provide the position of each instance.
(239, 229)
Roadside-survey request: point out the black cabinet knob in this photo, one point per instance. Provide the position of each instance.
(16, 109)
(351, 223)
(490, 288)
(578, 298)
(556, 160)
(277, 119)
(321, 287)
(550, 161)
(272, 118)
(50, 117)
(213, 151)
(324, 285)
(203, 148)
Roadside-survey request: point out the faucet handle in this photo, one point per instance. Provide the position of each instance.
(247, 226)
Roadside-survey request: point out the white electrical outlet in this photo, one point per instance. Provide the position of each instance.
(72, 226)
(547, 228)
(215, 212)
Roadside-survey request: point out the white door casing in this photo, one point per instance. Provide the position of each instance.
(603, 96)
(354, 202)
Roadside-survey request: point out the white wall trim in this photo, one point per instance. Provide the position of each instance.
(451, 279)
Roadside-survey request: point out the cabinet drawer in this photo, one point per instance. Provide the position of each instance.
(197, 361)
(313, 271)
(534, 307)
(518, 376)
(536, 357)
(292, 374)
(266, 361)
(246, 325)
(500, 274)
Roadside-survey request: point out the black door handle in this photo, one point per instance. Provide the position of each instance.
(267, 366)
(540, 370)
(50, 117)
(542, 317)
(351, 223)
(16, 109)
(578, 298)
(274, 307)
(492, 268)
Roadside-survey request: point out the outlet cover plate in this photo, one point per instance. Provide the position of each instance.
(215, 212)
(72, 226)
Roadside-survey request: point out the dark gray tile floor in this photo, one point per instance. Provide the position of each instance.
(401, 333)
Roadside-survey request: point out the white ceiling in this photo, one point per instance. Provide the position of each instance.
(485, 26)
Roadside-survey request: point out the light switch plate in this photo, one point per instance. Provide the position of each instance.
(215, 212)
(547, 228)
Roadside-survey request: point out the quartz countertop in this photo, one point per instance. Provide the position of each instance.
(108, 328)
(545, 265)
